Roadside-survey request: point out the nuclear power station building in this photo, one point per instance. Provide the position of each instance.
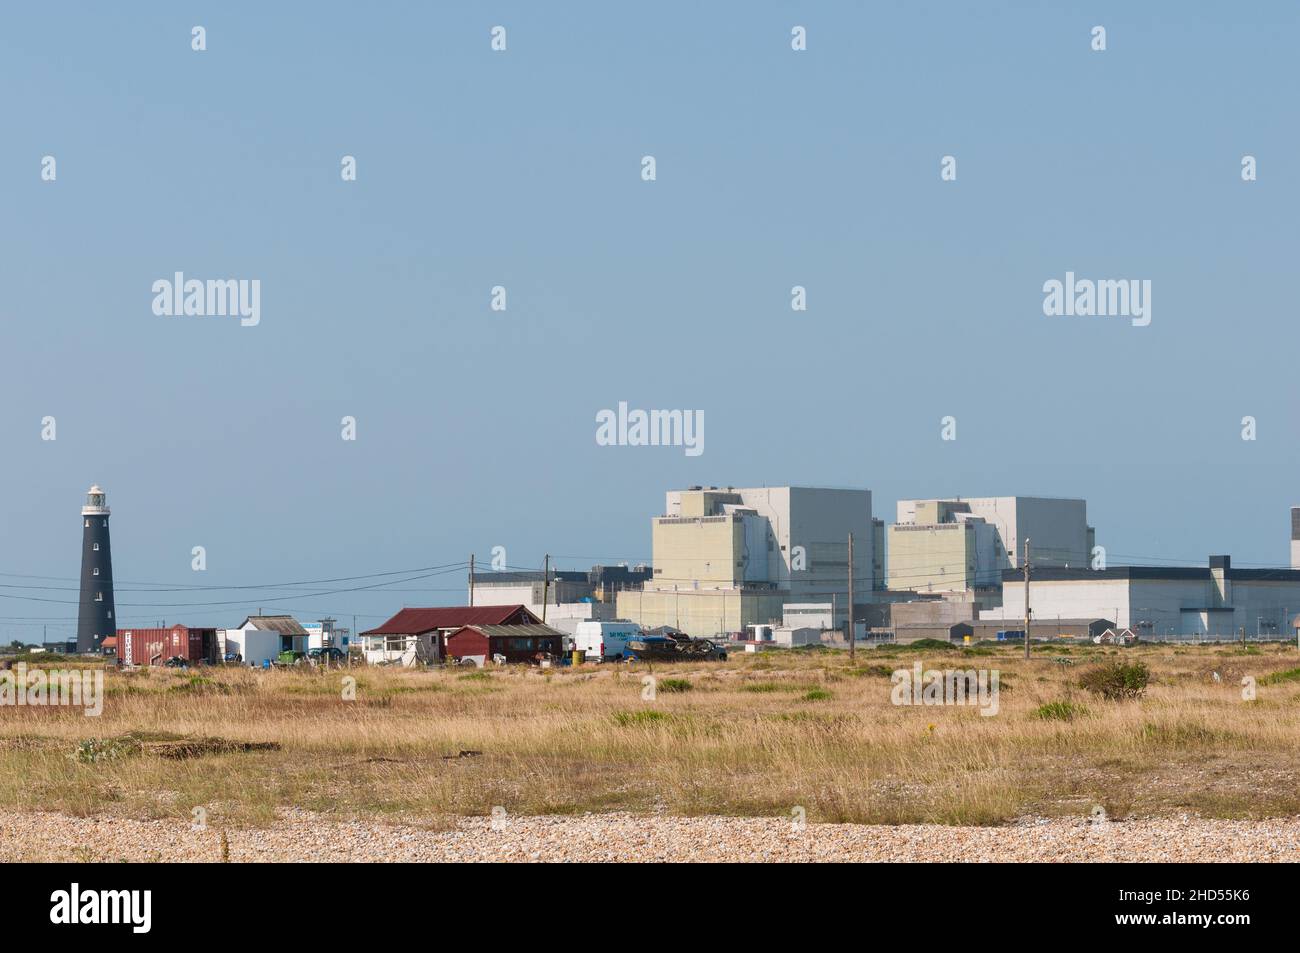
(725, 558)
(961, 544)
(95, 614)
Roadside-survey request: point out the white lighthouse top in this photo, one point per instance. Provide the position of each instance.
(95, 505)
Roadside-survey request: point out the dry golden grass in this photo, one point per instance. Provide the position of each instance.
(756, 735)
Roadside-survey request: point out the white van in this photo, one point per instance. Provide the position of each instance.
(604, 640)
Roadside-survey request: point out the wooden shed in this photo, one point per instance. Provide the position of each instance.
(516, 643)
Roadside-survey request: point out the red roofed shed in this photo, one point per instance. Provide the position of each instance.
(420, 621)
(420, 634)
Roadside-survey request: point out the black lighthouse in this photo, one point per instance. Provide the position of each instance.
(95, 616)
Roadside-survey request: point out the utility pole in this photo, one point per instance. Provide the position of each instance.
(853, 634)
(546, 584)
(1026, 598)
(471, 580)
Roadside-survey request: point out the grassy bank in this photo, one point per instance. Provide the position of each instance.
(757, 735)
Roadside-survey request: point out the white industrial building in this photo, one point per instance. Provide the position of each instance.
(813, 615)
(566, 616)
(1161, 601)
(564, 598)
(530, 589)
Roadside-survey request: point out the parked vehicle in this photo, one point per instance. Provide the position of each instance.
(604, 641)
(682, 648)
(176, 662)
(233, 658)
(327, 656)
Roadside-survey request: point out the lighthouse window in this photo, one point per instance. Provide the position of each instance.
(97, 547)
(87, 524)
(105, 522)
(110, 615)
(99, 597)
(96, 572)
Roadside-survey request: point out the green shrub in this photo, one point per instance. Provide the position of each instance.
(202, 685)
(926, 645)
(1183, 733)
(1117, 680)
(877, 671)
(646, 716)
(673, 685)
(1059, 711)
(816, 695)
(91, 750)
(1277, 678)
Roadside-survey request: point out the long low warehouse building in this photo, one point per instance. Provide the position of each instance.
(1214, 601)
(998, 630)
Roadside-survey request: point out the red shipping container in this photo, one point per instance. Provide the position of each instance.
(156, 646)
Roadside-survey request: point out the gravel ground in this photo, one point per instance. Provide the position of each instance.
(624, 837)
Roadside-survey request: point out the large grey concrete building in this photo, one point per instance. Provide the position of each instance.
(725, 557)
(958, 544)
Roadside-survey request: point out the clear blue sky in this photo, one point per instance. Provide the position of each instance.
(775, 168)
